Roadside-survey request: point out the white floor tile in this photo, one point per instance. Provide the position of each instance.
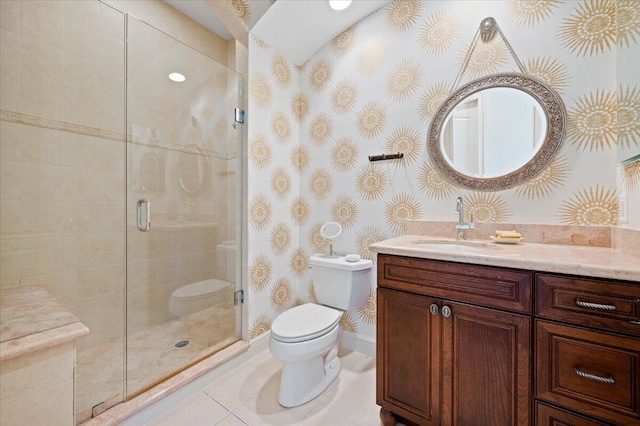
(263, 408)
(323, 416)
(231, 420)
(196, 410)
(266, 362)
(235, 387)
(354, 397)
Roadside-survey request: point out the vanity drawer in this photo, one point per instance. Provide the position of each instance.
(609, 305)
(502, 288)
(595, 373)
(547, 415)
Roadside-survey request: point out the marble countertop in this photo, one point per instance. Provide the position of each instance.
(31, 319)
(601, 262)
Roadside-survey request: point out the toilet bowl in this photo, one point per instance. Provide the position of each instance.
(306, 338)
(197, 296)
(200, 295)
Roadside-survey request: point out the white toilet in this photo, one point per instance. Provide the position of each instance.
(200, 295)
(306, 338)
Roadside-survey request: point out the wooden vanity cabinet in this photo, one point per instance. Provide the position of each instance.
(587, 336)
(443, 361)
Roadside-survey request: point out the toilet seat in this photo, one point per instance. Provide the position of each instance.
(305, 322)
(200, 289)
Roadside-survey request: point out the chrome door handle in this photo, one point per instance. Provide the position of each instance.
(595, 305)
(147, 225)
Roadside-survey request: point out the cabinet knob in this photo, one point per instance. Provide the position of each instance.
(446, 311)
(433, 309)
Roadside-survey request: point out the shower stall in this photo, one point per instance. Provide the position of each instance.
(120, 190)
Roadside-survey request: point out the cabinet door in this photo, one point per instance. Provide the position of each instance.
(408, 357)
(486, 368)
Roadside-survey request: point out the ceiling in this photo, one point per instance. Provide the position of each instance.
(295, 28)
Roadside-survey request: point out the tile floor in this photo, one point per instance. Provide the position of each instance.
(248, 395)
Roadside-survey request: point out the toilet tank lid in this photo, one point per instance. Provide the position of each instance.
(340, 263)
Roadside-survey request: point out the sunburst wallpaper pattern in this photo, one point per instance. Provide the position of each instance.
(374, 89)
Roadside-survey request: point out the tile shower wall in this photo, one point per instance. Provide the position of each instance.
(374, 89)
(62, 166)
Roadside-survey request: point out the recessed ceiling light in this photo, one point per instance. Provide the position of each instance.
(339, 4)
(177, 77)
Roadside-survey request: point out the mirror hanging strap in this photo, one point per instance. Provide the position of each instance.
(486, 32)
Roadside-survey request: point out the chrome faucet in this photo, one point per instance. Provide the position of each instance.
(461, 226)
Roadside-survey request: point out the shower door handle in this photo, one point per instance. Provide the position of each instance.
(147, 225)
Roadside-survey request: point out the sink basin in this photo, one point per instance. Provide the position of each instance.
(457, 245)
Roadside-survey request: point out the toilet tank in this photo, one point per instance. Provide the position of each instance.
(226, 261)
(341, 284)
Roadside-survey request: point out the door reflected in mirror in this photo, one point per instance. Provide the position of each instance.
(493, 132)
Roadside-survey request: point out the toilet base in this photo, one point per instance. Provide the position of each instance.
(302, 381)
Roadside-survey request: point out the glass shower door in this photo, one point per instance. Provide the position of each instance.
(181, 207)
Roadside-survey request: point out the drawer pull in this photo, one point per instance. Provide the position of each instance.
(635, 322)
(609, 379)
(595, 305)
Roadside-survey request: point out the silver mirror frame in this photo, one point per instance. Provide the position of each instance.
(555, 113)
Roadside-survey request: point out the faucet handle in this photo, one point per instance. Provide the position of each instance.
(472, 218)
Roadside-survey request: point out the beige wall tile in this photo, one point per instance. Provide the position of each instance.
(87, 12)
(111, 217)
(81, 73)
(9, 180)
(54, 407)
(111, 21)
(10, 16)
(82, 252)
(112, 52)
(9, 219)
(40, 145)
(40, 256)
(10, 259)
(81, 107)
(81, 39)
(10, 91)
(41, 62)
(84, 285)
(29, 374)
(112, 115)
(81, 218)
(9, 141)
(43, 22)
(42, 98)
(40, 218)
(39, 182)
(79, 184)
(9, 51)
(53, 283)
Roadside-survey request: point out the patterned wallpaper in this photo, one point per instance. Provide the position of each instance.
(373, 90)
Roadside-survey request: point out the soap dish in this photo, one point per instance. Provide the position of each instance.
(505, 240)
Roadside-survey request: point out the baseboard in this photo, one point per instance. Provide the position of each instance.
(358, 343)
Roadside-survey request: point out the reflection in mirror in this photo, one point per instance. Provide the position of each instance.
(493, 132)
(497, 132)
(194, 170)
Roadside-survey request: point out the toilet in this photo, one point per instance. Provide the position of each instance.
(306, 338)
(195, 297)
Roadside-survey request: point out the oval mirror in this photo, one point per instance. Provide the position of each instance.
(331, 230)
(194, 170)
(496, 132)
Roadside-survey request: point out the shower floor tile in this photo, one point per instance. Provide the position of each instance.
(151, 357)
(249, 396)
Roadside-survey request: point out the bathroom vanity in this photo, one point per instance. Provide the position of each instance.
(507, 335)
